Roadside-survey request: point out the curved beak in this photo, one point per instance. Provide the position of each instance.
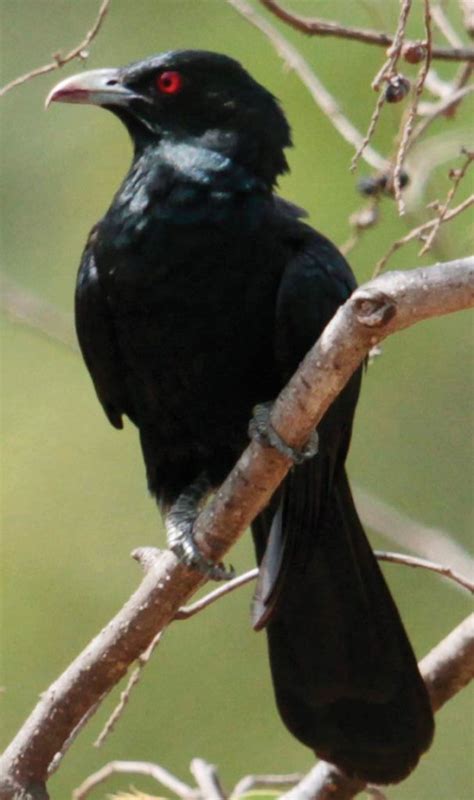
(100, 87)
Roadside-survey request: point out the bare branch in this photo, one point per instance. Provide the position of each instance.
(449, 667)
(387, 71)
(320, 94)
(80, 51)
(412, 561)
(376, 310)
(159, 774)
(321, 27)
(361, 151)
(250, 782)
(24, 306)
(185, 612)
(395, 48)
(410, 121)
(134, 679)
(207, 779)
(431, 543)
(456, 176)
(420, 231)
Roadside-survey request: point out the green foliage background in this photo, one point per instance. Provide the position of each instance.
(74, 499)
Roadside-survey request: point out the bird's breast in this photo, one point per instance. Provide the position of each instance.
(194, 318)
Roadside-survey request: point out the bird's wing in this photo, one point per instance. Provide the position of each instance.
(97, 340)
(316, 281)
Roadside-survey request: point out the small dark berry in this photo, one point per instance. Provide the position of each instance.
(369, 186)
(397, 88)
(414, 52)
(404, 181)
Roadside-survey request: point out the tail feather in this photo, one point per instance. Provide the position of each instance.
(345, 676)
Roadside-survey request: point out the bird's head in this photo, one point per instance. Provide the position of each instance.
(190, 95)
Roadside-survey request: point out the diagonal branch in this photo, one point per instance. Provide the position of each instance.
(392, 302)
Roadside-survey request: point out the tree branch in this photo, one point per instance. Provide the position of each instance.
(320, 27)
(392, 302)
(59, 61)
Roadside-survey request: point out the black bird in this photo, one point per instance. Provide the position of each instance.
(198, 294)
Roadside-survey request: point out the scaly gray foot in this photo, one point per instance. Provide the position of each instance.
(260, 428)
(179, 523)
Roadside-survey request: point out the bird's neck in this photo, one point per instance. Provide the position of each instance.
(207, 161)
(186, 183)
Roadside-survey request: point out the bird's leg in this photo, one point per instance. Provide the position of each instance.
(261, 428)
(179, 523)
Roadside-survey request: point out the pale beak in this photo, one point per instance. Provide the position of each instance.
(100, 87)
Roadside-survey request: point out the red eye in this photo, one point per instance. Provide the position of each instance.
(169, 82)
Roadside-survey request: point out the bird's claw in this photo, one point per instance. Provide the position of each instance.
(181, 542)
(261, 428)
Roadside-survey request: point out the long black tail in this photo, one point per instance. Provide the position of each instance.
(346, 680)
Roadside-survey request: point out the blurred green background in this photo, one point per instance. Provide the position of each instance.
(74, 498)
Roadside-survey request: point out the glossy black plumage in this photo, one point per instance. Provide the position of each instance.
(198, 294)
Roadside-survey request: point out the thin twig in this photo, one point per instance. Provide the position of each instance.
(420, 231)
(423, 540)
(412, 561)
(323, 27)
(387, 70)
(55, 763)
(59, 61)
(249, 782)
(410, 121)
(457, 176)
(361, 151)
(27, 308)
(395, 49)
(185, 612)
(327, 103)
(159, 774)
(125, 695)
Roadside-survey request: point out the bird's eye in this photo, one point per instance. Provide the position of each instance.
(169, 82)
